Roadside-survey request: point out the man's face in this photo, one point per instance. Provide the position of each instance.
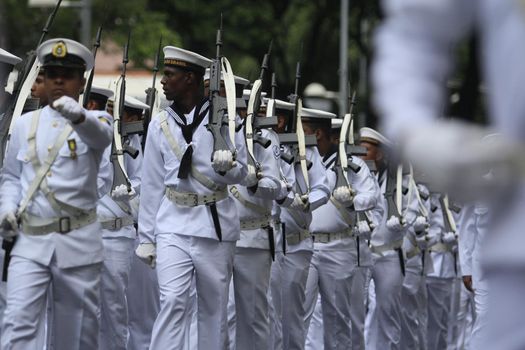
(61, 81)
(222, 90)
(372, 151)
(282, 119)
(38, 89)
(174, 82)
(131, 115)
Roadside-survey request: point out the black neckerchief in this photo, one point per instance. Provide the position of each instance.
(187, 132)
(331, 151)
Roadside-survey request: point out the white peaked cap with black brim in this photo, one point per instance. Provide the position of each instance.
(67, 53)
(132, 102)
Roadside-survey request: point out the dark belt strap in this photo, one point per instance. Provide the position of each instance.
(283, 234)
(271, 242)
(215, 218)
(401, 260)
(358, 252)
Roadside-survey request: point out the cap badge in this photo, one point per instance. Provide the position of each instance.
(59, 50)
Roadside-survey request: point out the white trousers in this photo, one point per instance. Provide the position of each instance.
(114, 284)
(295, 270)
(439, 292)
(275, 303)
(413, 301)
(385, 321)
(75, 305)
(178, 259)
(464, 318)
(251, 280)
(330, 276)
(143, 303)
(358, 304)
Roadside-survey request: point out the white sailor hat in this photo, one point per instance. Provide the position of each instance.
(9, 58)
(282, 105)
(246, 95)
(104, 93)
(175, 56)
(132, 102)
(337, 123)
(239, 81)
(310, 113)
(373, 136)
(65, 53)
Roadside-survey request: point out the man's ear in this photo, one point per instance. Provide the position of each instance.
(83, 85)
(318, 134)
(380, 155)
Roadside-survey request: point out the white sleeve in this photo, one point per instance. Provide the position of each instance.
(153, 189)
(467, 238)
(269, 187)
(11, 187)
(364, 185)
(319, 187)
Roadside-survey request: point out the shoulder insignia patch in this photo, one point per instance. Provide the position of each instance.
(276, 151)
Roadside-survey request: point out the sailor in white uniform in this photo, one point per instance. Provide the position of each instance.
(49, 183)
(386, 243)
(118, 232)
(187, 223)
(333, 226)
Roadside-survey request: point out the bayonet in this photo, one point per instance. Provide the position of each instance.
(87, 89)
(152, 97)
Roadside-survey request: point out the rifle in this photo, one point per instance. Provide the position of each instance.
(222, 109)
(87, 90)
(118, 149)
(22, 87)
(252, 134)
(342, 164)
(151, 96)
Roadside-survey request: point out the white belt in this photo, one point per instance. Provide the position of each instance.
(36, 226)
(298, 237)
(386, 247)
(413, 252)
(440, 248)
(325, 237)
(114, 224)
(188, 199)
(255, 223)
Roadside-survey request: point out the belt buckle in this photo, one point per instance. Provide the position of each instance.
(193, 199)
(321, 238)
(64, 224)
(118, 223)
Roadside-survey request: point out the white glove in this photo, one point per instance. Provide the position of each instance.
(251, 179)
(449, 238)
(120, 193)
(420, 225)
(8, 226)
(363, 230)
(434, 150)
(69, 108)
(300, 203)
(394, 224)
(344, 195)
(222, 161)
(146, 252)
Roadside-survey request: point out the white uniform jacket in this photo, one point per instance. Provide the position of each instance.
(157, 214)
(73, 180)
